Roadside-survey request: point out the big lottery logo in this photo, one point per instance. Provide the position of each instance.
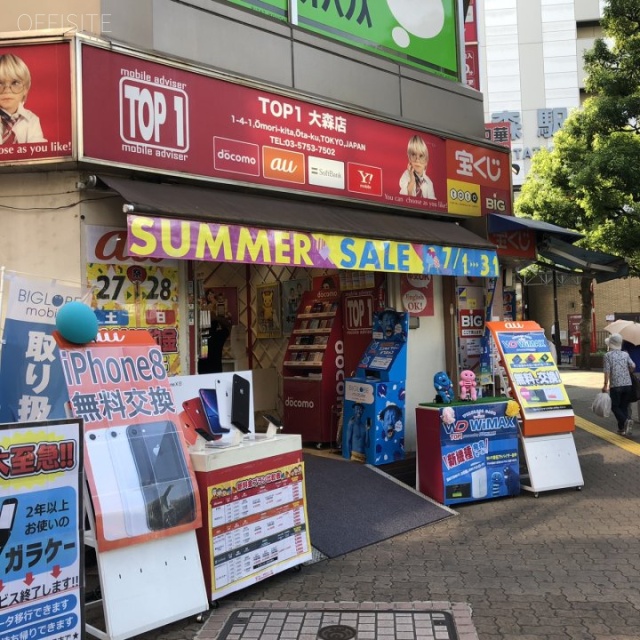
(419, 18)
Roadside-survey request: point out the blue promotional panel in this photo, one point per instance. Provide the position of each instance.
(374, 418)
(468, 451)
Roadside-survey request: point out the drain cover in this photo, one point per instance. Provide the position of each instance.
(338, 624)
(337, 632)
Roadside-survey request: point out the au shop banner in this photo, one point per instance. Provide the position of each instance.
(152, 114)
(31, 383)
(141, 481)
(195, 240)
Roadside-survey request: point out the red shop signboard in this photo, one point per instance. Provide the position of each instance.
(144, 113)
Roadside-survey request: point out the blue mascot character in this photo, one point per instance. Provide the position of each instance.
(444, 387)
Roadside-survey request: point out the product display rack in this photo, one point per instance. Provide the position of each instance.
(313, 368)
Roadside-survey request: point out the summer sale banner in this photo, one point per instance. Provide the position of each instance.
(195, 240)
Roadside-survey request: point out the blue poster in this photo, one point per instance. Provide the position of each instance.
(479, 447)
(32, 386)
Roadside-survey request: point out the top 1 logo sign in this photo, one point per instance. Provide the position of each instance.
(153, 115)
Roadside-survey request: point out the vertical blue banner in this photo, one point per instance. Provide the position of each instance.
(32, 386)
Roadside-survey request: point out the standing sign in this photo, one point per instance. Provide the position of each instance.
(32, 384)
(41, 529)
(533, 376)
(139, 472)
(149, 114)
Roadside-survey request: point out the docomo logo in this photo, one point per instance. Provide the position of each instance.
(152, 114)
(299, 404)
(225, 154)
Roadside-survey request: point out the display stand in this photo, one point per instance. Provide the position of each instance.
(313, 368)
(254, 512)
(551, 463)
(374, 407)
(546, 415)
(146, 586)
(467, 451)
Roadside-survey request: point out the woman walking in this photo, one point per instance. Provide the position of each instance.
(618, 368)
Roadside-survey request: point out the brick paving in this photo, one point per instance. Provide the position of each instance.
(565, 565)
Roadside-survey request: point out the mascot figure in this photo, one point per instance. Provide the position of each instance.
(444, 387)
(468, 385)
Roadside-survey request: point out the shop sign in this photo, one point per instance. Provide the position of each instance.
(213, 242)
(143, 113)
(471, 323)
(36, 108)
(417, 294)
(422, 36)
(515, 244)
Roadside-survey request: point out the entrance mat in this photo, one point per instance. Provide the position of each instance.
(250, 624)
(351, 505)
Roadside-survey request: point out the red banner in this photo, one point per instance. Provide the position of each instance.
(149, 114)
(36, 108)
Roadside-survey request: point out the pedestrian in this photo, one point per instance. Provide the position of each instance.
(634, 351)
(618, 368)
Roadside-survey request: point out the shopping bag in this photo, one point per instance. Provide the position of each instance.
(635, 384)
(602, 405)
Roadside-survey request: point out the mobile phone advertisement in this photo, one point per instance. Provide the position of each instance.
(141, 481)
(41, 530)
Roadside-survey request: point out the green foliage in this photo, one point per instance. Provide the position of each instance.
(590, 181)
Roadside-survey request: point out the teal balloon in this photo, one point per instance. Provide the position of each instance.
(76, 322)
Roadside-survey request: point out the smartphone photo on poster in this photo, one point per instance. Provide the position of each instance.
(163, 473)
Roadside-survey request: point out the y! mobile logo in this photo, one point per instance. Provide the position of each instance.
(278, 164)
(153, 115)
(362, 178)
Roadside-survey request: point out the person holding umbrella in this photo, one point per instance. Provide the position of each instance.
(618, 367)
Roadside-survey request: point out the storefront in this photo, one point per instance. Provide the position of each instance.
(233, 187)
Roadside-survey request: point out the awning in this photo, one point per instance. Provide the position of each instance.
(498, 223)
(601, 266)
(441, 248)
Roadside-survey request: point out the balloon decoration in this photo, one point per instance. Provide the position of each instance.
(76, 322)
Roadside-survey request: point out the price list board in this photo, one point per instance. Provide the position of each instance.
(256, 524)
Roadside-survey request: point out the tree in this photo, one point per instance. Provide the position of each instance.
(590, 180)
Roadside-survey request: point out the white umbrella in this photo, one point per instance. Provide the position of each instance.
(630, 331)
(616, 325)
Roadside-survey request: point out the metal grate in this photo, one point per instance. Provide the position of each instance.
(345, 624)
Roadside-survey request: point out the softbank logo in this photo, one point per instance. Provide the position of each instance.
(278, 164)
(326, 173)
(362, 178)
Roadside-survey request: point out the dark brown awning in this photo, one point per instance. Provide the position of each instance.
(215, 204)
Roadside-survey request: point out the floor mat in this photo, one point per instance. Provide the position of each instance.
(351, 505)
